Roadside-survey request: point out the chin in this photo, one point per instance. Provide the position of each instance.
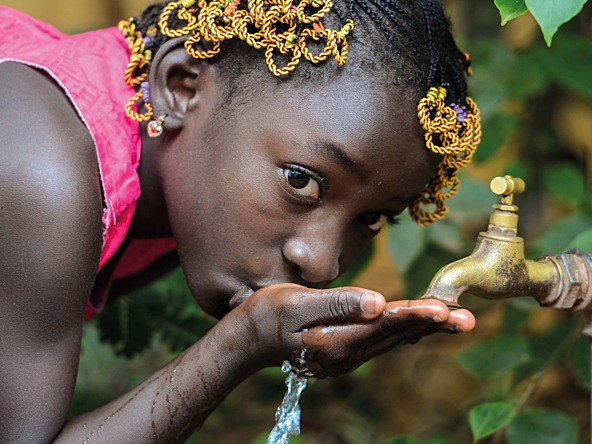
(212, 301)
(218, 300)
(215, 308)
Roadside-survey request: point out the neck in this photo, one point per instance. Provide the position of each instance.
(150, 218)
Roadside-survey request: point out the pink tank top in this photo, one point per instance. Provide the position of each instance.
(89, 68)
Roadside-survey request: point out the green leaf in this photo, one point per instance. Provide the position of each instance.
(557, 237)
(446, 235)
(582, 241)
(521, 170)
(494, 356)
(580, 362)
(535, 74)
(569, 63)
(406, 241)
(472, 202)
(515, 315)
(543, 426)
(488, 418)
(551, 14)
(510, 9)
(496, 131)
(165, 308)
(129, 335)
(565, 183)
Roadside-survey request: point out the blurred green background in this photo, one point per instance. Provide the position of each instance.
(523, 375)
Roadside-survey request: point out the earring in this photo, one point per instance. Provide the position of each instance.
(154, 128)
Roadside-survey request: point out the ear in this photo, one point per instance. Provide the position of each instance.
(177, 83)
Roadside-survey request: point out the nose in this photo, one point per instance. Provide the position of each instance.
(315, 258)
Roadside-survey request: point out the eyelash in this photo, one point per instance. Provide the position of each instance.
(318, 178)
(390, 219)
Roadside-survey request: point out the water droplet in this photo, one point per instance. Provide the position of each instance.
(286, 367)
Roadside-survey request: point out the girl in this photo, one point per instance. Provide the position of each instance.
(271, 141)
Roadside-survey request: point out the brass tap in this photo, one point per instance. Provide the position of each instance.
(498, 269)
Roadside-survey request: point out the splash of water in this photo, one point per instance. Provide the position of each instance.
(287, 416)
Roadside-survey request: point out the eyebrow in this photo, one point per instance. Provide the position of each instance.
(342, 157)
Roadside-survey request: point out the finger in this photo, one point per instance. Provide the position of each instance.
(418, 309)
(402, 322)
(459, 321)
(396, 316)
(339, 349)
(337, 305)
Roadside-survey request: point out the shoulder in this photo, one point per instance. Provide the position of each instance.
(49, 181)
(44, 143)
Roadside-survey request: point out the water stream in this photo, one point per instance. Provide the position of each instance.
(287, 416)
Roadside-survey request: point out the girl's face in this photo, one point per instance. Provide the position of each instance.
(291, 187)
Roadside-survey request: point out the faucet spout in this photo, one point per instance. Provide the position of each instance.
(498, 269)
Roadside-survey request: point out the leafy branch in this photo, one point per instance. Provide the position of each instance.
(549, 14)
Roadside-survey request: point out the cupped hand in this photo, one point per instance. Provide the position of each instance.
(337, 349)
(338, 328)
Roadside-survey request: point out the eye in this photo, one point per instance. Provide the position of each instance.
(303, 182)
(375, 221)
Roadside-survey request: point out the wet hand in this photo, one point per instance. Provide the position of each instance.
(340, 328)
(270, 323)
(339, 349)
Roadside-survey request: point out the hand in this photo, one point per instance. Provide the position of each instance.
(339, 328)
(339, 349)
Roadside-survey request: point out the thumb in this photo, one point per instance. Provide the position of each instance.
(338, 305)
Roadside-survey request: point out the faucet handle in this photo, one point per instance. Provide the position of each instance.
(506, 187)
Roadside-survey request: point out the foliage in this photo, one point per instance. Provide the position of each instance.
(166, 308)
(543, 427)
(486, 419)
(550, 14)
(530, 96)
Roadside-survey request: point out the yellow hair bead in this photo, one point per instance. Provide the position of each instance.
(187, 3)
(290, 39)
(347, 28)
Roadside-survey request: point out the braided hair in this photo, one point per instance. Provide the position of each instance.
(412, 37)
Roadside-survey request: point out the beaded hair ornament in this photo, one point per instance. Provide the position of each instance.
(453, 131)
(283, 26)
(287, 27)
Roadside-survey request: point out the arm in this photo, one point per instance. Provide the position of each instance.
(50, 240)
(273, 325)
